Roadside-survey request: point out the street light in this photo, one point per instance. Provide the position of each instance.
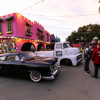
(99, 7)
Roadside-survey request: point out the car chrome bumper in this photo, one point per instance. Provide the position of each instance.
(76, 62)
(52, 76)
(80, 60)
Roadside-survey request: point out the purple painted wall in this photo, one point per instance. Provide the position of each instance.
(52, 38)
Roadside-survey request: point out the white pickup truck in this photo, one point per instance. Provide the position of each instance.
(65, 53)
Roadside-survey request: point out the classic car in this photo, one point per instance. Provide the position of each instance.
(38, 67)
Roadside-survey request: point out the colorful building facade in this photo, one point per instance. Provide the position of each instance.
(19, 33)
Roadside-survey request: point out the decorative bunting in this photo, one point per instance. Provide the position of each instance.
(61, 16)
(32, 5)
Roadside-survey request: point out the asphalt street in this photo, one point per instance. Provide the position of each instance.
(71, 83)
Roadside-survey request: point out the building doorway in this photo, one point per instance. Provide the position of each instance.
(39, 47)
(28, 47)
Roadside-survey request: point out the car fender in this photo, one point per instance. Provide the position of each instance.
(72, 58)
(33, 70)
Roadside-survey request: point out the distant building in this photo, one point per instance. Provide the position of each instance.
(52, 38)
(57, 39)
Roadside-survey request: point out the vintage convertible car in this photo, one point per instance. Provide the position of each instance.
(38, 67)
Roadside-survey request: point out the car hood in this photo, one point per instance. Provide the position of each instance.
(44, 60)
(73, 51)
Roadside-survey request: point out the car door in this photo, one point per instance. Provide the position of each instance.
(13, 64)
(9, 63)
(2, 58)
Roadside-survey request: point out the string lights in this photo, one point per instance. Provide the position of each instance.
(61, 16)
(57, 16)
(32, 5)
(21, 38)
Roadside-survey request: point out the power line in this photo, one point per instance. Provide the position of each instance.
(32, 5)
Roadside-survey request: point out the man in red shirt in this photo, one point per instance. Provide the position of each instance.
(96, 60)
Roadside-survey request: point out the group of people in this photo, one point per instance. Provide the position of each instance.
(93, 54)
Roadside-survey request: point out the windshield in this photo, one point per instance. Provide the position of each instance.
(65, 45)
(27, 55)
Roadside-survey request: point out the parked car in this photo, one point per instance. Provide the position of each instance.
(38, 67)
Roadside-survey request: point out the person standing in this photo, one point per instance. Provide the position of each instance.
(91, 50)
(97, 45)
(87, 58)
(96, 60)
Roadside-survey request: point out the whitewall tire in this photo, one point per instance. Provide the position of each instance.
(35, 76)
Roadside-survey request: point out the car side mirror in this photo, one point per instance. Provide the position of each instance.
(23, 59)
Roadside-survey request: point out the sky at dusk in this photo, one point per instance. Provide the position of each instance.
(77, 13)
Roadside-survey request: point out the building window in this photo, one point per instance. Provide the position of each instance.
(9, 26)
(47, 37)
(0, 27)
(28, 29)
(40, 35)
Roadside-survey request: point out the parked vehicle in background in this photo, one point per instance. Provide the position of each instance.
(65, 53)
(80, 49)
(78, 46)
(27, 62)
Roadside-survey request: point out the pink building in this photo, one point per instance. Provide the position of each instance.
(19, 33)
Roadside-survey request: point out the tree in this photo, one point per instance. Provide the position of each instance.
(85, 34)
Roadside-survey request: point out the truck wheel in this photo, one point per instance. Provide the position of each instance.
(67, 62)
(35, 76)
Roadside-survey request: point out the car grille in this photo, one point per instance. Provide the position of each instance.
(78, 57)
(54, 68)
(53, 63)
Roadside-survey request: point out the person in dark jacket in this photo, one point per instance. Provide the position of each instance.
(96, 60)
(87, 57)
